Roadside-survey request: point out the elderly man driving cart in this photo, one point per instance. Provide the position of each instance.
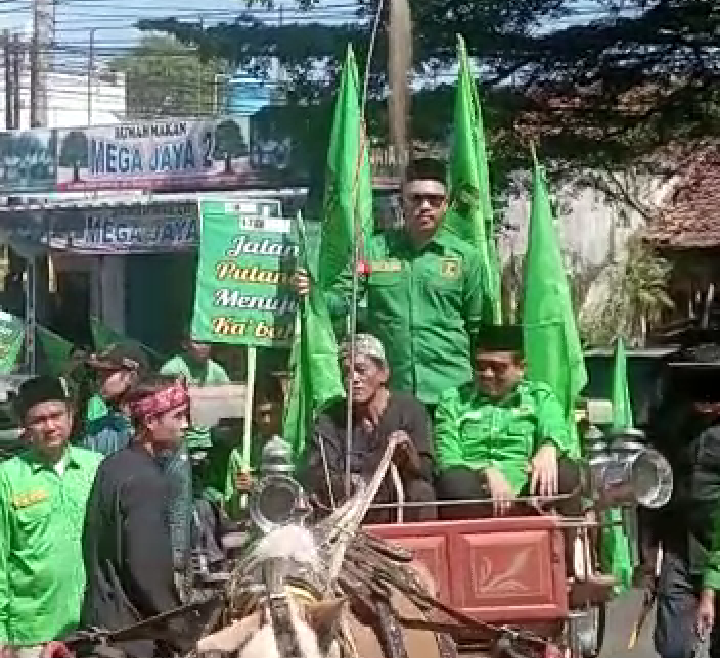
(502, 436)
(378, 415)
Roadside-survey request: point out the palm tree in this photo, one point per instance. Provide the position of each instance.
(636, 296)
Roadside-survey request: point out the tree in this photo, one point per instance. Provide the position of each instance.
(74, 152)
(636, 295)
(297, 147)
(600, 84)
(229, 143)
(165, 78)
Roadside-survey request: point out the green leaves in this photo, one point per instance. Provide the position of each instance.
(601, 85)
(166, 78)
(637, 294)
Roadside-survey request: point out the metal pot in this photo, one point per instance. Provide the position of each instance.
(626, 472)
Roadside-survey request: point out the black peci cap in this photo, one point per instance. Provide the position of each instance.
(427, 169)
(508, 337)
(38, 390)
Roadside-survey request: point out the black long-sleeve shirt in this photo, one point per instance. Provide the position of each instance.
(126, 546)
(403, 412)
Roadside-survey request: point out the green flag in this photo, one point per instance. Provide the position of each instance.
(615, 556)
(622, 409)
(348, 190)
(55, 352)
(317, 376)
(470, 215)
(12, 339)
(103, 336)
(552, 345)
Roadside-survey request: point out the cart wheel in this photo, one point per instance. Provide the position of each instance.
(590, 629)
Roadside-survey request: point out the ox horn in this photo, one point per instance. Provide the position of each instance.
(322, 615)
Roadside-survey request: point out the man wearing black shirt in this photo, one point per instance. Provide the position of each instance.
(126, 543)
(686, 606)
(378, 415)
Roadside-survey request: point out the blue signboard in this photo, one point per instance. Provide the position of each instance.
(246, 94)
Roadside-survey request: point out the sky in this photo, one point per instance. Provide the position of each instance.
(112, 20)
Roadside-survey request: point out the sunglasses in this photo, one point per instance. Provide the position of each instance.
(433, 200)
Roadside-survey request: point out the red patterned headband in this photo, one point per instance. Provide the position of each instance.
(161, 401)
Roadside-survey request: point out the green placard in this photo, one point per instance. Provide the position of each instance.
(244, 290)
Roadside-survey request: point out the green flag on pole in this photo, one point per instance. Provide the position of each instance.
(552, 344)
(317, 376)
(615, 555)
(622, 408)
(470, 215)
(55, 351)
(12, 339)
(348, 187)
(104, 336)
(347, 219)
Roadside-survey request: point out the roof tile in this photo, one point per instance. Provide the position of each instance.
(691, 215)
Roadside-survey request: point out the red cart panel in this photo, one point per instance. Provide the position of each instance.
(505, 570)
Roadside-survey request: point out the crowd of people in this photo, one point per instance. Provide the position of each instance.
(96, 516)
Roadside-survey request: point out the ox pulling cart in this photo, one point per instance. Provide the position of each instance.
(296, 587)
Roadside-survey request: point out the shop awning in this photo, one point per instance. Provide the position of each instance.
(122, 224)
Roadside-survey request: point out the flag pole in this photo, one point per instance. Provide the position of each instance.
(371, 48)
(355, 255)
(352, 328)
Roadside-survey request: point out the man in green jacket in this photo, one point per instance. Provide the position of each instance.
(424, 292)
(501, 436)
(43, 494)
(196, 367)
(230, 477)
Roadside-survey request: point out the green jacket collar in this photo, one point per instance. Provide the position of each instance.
(508, 400)
(37, 463)
(440, 242)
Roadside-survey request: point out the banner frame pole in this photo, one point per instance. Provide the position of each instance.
(30, 315)
(248, 413)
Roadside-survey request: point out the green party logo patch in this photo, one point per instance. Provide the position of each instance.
(450, 268)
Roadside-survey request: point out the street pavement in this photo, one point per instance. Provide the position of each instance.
(621, 617)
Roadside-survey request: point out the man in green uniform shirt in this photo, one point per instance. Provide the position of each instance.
(502, 435)
(196, 367)
(43, 493)
(424, 292)
(230, 477)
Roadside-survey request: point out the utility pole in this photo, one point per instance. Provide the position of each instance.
(15, 50)
(34, 81)
(201, 108)
(91, 67)
(40, 55)
(8, 81)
